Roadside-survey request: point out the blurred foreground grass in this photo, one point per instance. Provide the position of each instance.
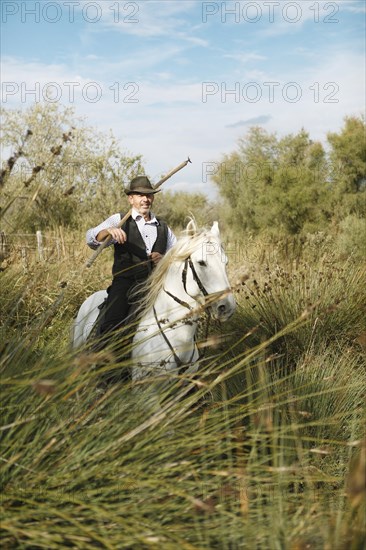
(265, 448)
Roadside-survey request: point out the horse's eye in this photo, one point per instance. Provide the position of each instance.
(202, 263)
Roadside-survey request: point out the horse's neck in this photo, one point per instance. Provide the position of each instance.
(172, 300)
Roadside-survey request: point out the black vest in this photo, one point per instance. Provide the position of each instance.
(130, 258)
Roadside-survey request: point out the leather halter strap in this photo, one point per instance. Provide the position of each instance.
(182, 367)
(178, 300)
(188, 263)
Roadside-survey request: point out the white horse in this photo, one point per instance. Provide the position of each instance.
(188, 280)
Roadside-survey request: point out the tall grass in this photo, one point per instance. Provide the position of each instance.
(264, 448)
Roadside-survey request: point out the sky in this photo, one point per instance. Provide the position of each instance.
(174, 79)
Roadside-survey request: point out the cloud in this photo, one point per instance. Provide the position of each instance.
(245, 57)
(172, 104)
(261, 119)
(353, 6)
(149, 19)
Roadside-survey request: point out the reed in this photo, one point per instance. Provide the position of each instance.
(264, 448)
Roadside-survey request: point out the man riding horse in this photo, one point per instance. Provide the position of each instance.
(139, 245)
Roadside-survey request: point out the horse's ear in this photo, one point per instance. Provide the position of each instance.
(215, 229)
(191, 228)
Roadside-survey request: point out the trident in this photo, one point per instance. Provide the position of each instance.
(106, 241)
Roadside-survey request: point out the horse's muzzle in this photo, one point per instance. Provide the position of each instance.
(223, 308)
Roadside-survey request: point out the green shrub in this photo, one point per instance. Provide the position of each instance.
(351, 239)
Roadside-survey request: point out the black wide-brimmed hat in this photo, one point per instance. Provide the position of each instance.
(141, 184)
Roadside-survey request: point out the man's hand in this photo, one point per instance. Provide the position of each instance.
(115, 232)
(155, 257)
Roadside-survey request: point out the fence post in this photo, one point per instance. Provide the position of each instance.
(3, 246)
(40, 245)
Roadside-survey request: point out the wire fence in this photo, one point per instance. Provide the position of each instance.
(41, 247)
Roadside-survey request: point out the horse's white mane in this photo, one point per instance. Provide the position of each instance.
(147, 292)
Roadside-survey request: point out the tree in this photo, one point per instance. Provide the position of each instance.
(274, 184)
(177, 207)
(348, 168)
(59, 170)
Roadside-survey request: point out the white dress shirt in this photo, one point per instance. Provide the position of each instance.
(148, 231)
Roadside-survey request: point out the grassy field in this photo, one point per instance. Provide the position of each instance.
(265, 448)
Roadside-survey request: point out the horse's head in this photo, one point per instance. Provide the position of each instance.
(205, 273)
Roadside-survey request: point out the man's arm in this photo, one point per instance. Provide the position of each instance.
(117, 234)
(96, 235)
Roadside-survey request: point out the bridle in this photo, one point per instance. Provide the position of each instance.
(187, 264)
(197, 280)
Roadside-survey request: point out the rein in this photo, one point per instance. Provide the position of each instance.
(181, 366)
(188, 263)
